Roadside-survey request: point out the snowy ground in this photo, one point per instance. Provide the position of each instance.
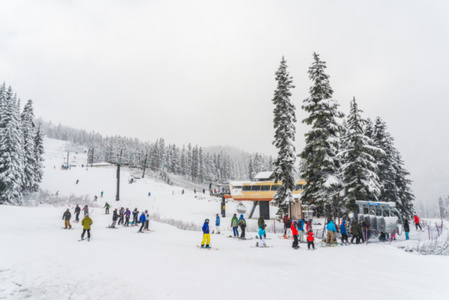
(39, 260)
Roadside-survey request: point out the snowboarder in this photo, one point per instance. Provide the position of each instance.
(310, 239)
(147, 222)
(66, 217)
(355, 230)
(86, 210)
(300, 226)
(242, 224)
(295, 235)
(86, 222)
(217, 224)
(234, 225)
(135, 216)
(262, 235)
(106, 207)
(344, 235)
(406, 229)
(142, 220)
(417, 223)
(206, 234)
(77, 213)
(127, 216)
(288, 230)
(114, 218)
(330, 231)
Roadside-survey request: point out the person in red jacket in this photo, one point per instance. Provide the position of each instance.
(310, 239)
(295, 235)
(416, 220)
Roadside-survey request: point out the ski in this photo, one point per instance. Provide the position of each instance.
(261, 247)
(210, 248)
(109, 227)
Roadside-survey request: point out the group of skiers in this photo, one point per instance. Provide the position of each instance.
(86, 222)
(123, 217)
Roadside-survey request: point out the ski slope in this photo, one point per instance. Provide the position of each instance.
(40, 260)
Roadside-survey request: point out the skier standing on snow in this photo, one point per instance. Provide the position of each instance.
(217, 224)
(309, 225)
(363, 231)
(310, 239)
(295, 235)
(127, 216)
(86, 222)
(147, 222)
(300, 226)
(86, 210)
(142, 220)
(406, 229)
(285, 224)
(135, 216)
(206, 234)
(106, 207)
(355, 230)
(101, 194)
(66, 217)
(234, 225)
(330, 231)
(121, 214)
(77, 213)
(417, 223)
(262, 235)
(260, 222)
(242, 224)
(114, 218)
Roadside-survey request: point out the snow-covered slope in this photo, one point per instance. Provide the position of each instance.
(39, 260)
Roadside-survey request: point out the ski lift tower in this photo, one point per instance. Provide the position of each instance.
(116, 158)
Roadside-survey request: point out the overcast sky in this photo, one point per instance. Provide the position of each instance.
(203, 71)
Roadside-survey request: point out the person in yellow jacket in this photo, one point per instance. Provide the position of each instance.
(86, 222)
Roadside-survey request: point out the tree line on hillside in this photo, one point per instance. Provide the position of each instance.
(343, 160)
(195, 163)
(21, 149)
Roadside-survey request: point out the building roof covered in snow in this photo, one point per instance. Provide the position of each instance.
(264, 176)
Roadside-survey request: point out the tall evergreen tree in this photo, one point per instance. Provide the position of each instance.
(38, 159)
(320, 165)
(358, 168)
(29, 162)
(284, 125)
(11, 155)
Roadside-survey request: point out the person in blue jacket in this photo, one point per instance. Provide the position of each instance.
(262, 234)
(330, 231)
(242, 224)
(344, 235)
(142, 220)
(206, 234)
(217, 224)
(300, 226)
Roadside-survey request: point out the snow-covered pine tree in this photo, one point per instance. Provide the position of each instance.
(38, 159)
(320, 165)
(11, 154)
(358, 169)
(29, 162)
(403, 185)
(284, 125)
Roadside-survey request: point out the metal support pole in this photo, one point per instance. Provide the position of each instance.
(68, 160)
(117, 196)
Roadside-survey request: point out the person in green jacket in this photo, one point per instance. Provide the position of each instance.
(234, 225)
(106, 207)
(86, 222)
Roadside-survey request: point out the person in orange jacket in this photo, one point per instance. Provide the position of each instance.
(295, 235)
(310, 239)
(416, 220)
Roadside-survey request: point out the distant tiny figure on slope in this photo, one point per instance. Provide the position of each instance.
(206, 234)
(217, 224)
(77, 181)
(106, 207)
(66, 217)
(101, 194)
(95, 198)
(86, 210)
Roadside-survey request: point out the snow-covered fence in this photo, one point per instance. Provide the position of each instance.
(192, 226)
(438, 243)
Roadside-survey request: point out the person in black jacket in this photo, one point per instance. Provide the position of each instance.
(77, 213)
(114, 218)
(406, 229)
(66, 217)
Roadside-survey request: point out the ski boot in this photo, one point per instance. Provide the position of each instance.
(207, 247)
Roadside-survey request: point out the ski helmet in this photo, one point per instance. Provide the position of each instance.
(207, 221)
